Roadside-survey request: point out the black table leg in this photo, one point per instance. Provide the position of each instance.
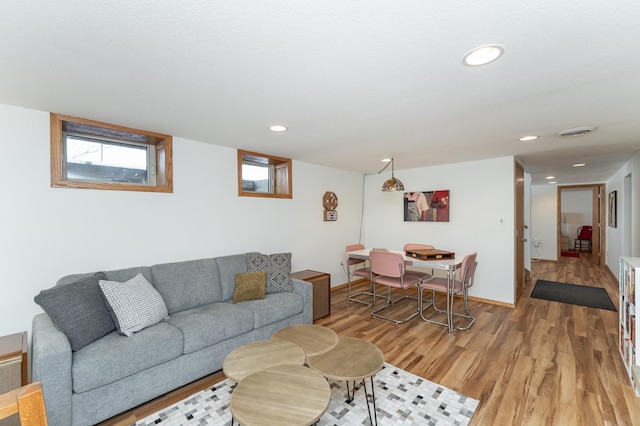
(373, 396)
(351, 394)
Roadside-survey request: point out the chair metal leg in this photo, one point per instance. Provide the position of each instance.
(450, 315)
(432, 304)
(371, 293)
(390, 303)
(353, 297)
(466, 314)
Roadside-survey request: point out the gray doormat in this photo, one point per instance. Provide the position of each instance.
(593, 297)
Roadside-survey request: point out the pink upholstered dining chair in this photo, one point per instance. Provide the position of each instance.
(459, 286)
(388, 268)
(359, 268)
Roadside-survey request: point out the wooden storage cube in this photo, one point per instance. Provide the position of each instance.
(321, 291)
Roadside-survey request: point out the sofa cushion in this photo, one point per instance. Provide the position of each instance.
(250, 286)
(189, 284)
(115, 356)
(123, 275)
(210, 324)
(135, 304)
(228, 267)
(274, 307)
(278, 267)
(78, 310)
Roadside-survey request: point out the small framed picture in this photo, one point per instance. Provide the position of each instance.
(613, 209)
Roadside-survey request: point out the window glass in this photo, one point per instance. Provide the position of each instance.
(102, 161)
(255, 178)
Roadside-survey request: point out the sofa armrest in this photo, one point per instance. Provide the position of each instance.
(51, 359)
(305, 289)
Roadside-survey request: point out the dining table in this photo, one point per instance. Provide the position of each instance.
(449, 266)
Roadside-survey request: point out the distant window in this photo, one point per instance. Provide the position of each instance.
(89, 154)
(261, 175)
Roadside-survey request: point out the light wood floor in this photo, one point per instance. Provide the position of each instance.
(542, 363)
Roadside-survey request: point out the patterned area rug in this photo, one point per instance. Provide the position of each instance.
(401, 399)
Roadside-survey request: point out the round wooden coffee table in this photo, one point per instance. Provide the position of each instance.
(351, 360)
(256, 356)
(313, 339)
(282, 395)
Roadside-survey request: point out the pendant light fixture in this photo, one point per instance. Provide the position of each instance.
(391, 184)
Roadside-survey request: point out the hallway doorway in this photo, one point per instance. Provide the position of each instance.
(571, 214)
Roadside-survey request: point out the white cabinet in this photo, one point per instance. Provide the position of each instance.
(629, 270)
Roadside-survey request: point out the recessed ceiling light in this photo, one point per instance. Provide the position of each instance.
(552, 182)
(483, 55)
(529, 138)
(277, 128)
(579, 164)
(550, 177)
(386, 160)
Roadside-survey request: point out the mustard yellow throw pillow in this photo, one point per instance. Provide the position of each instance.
(250, 286)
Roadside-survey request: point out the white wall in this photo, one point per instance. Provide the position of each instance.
(46, 232)
(628, 228)
(544, 205)
(482, 193)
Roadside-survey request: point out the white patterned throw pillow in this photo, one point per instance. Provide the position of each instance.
(278, 267)
(135, 304)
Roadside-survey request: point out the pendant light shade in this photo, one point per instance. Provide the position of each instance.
(392, 184)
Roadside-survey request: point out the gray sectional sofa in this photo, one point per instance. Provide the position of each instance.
(113, 373)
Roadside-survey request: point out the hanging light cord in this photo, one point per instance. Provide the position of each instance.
(364, 178)
(383, 169)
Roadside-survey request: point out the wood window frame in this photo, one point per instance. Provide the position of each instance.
(282, 176)
(163, 146)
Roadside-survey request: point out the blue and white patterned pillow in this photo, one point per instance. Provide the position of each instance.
(135, 304)
(278, 267)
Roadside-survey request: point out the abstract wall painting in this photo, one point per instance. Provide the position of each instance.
(426, 206)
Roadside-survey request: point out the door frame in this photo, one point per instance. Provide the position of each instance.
(598, 209)
(519, 279)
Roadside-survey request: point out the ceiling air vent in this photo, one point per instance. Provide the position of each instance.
(577, 131)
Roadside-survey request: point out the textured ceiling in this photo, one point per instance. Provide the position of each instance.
(354, 81)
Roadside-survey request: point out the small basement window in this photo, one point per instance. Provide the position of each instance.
(261, 175)
(93, 155)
